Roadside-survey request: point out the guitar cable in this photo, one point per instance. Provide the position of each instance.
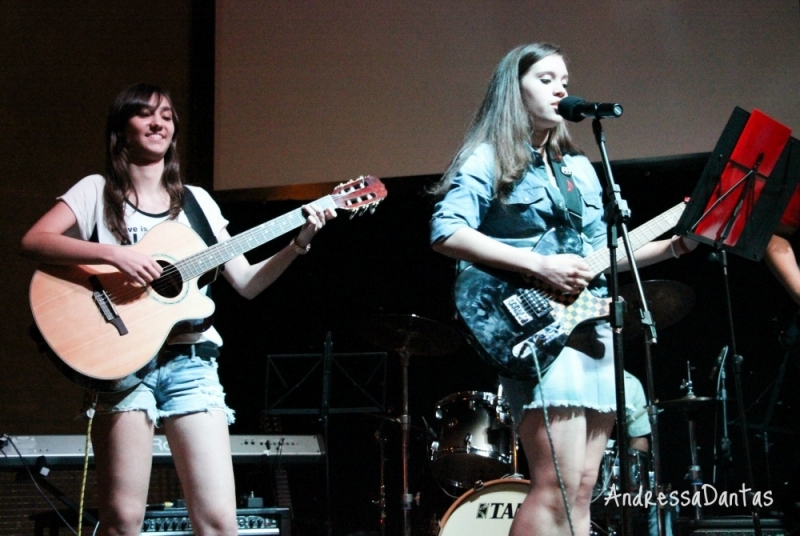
(90, 414)
(561, 485)
(39, 489)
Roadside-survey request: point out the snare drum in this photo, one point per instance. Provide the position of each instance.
(473, 440)
(488, 511)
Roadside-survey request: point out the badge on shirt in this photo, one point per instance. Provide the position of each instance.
(566, 171)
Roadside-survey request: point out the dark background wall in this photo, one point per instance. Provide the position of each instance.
(63, 66)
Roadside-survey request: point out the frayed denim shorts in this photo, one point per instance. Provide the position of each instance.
(181, 385)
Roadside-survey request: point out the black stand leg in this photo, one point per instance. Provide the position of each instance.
(617, 216)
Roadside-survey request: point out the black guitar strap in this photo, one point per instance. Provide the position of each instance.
(572, 196)
(197, 218)
(199, 222)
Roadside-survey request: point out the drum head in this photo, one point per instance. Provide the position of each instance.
(485, 512)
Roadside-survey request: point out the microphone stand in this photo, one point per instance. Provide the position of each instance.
(617, 216)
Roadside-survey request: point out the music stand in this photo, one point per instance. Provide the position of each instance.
(737, 205)
(745, 186)
(365, 375)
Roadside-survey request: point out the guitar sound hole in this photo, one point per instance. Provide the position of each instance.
(170, 283)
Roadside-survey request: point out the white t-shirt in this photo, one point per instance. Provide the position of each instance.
(85, 199)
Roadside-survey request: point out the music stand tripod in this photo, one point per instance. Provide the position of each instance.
(367, 394)
(736, 206)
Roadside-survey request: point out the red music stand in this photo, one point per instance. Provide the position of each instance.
(745, 186)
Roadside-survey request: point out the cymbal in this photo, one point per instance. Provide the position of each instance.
(412, 334)
(687, 403)
(667, 301)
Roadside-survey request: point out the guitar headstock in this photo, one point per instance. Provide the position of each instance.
(359, 195)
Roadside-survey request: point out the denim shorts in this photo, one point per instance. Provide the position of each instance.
(182, 385)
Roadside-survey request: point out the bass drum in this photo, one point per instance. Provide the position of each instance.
(488, 511)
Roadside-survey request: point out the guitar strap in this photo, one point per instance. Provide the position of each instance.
(197, 218)
(572, 196)
(199, 222)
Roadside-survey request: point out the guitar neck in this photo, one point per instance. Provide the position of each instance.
(218, 254)
(599, 261)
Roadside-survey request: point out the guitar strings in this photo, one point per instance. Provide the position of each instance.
(226, 249)
(166, 280)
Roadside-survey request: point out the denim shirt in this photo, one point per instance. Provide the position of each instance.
(533, 207)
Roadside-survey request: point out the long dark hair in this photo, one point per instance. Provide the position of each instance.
(504, 122)
(118, 181)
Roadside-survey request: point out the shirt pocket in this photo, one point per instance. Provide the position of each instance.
(593, 215)
(529, 209)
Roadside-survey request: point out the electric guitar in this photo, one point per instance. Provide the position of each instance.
(512, 321)
(104, 332)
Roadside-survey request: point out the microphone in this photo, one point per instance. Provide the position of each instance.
(718, 363)
(576, 109)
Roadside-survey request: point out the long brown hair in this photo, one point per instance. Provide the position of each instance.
(118, 180)
(503, 121)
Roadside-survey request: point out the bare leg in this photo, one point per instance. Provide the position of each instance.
(123, 449)
(200, 446)
(579, 439)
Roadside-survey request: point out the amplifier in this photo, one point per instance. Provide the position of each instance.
(252, 521)
(729, 526)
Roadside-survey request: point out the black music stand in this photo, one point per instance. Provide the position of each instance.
(298, 379)
(745, 186)
(736, 206)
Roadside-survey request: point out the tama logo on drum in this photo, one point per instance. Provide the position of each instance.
(497, 510)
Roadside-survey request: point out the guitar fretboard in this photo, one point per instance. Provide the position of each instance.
(218, 254)
(599, 261)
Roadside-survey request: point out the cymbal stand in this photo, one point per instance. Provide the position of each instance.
(724, 456)
(381, 502)
(694, 469)
(652, 413)
(405, 425)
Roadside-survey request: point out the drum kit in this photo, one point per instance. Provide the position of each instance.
(473, 446)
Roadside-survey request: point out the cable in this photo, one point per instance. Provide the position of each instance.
(550, 439)
(39, 489)
(90, 414)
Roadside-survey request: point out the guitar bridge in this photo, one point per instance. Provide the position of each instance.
(106, 306)
(524, 305)
(517, 310)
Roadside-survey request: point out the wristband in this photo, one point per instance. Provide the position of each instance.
(300, 250)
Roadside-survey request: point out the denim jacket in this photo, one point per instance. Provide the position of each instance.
(533, 207)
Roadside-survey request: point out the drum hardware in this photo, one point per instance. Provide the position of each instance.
(689, 404)
(408, 335)
(650, 303)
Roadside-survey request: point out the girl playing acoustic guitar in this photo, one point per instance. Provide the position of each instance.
(91, 225)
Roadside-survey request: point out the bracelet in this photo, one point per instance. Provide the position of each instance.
(682, 246)
(300, 250)
(672, 248)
